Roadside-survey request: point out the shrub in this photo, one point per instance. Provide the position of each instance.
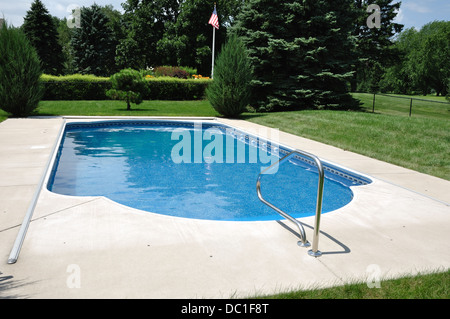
(127, 85)
(229, 92)
(75, 87)
(20, 70)
(167, 88)
(189, 70)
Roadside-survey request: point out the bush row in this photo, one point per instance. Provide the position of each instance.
(88, 87)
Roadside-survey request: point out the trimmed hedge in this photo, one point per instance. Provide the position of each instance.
(168, 88)
(89, 87)
(75, 87)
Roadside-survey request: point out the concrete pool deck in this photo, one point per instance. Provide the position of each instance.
(91, 247)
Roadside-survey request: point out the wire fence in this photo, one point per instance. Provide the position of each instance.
(407, 106)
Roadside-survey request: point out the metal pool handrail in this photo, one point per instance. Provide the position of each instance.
(15, 251)
(304, 243)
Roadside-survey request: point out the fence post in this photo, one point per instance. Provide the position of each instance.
(373, 104)
(410, 107)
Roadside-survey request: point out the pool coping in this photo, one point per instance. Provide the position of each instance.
(45, 271)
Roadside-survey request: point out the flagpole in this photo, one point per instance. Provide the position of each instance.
(213, 48)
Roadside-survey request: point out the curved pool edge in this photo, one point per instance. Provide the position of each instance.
(337, 171)
(69, 201)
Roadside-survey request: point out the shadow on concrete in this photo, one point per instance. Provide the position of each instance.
(345, 249)
(7, 284)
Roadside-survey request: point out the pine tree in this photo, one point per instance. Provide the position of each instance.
(300, 55)
(229, 91)
(93, 45)
(41, 31)
(20, 72)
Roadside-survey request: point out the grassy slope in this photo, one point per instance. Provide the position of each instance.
(421, 144)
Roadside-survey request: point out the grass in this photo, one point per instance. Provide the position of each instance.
(118, 108)
(426, 286)
(420, 143)
(3, 116)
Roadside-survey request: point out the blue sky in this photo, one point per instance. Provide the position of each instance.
(417, 13)
(413, 13)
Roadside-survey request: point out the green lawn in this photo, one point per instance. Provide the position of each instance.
(429, 286)
(421, 144)
(118, 108)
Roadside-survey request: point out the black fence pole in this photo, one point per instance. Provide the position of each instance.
(410, 107)
(373, 104)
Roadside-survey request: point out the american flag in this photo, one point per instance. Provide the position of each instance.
(214, 20)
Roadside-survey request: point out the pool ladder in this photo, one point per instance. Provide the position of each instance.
(314, 251)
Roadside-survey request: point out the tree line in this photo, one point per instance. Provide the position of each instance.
(303, 53)
(424, 62)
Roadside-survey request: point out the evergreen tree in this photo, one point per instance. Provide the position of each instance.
(229, 91)
(300, 55)
(64, 38)
(93, 43)
(41, 31)
(20, 72)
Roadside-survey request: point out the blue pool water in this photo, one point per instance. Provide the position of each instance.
(133, 164)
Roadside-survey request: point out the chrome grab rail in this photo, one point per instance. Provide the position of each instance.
(314, 251)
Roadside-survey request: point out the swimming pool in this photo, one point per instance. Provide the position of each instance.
(191, 169)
